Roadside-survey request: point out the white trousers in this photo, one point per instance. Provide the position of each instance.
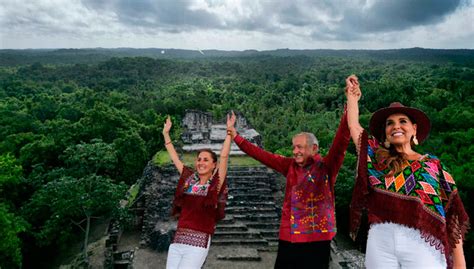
(181, 256)
(391, 245)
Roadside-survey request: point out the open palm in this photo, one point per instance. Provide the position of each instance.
(167, 125)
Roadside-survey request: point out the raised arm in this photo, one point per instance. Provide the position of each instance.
(274, 161)
(335, 156)
(353, 95)
(224, 158)
(169, 146)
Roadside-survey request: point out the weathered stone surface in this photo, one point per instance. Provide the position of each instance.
(201, 131)
(162, 235)
(240, 254)
(343, 258)
(157, 193)
(253, 207)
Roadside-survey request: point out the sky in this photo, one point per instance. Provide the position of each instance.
(237, 24)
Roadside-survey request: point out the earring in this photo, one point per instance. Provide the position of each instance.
(386, 144)
(415, 141)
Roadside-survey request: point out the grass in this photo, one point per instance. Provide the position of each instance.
(133, 192)
(162, 158)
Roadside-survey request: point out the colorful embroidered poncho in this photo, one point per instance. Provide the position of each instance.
(423, 196)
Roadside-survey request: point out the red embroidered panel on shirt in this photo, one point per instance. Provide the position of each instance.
(191, 237)
(311, 207)
(192, 186)
(425, 180)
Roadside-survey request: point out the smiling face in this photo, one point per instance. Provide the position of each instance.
(205, 163)
(302, 150)
(399, 129)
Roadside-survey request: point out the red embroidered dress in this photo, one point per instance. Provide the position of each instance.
(308, 209)
(198, 207)
(423, 196)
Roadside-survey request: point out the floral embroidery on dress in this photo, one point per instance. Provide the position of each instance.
(311, 208)
(192, 186)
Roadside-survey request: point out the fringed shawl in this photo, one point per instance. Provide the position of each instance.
(428, 201)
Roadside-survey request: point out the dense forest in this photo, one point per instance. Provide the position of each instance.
(77, 127)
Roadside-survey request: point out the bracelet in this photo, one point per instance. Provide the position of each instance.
(169, 142)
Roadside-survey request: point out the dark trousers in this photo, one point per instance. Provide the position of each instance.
(303, 255)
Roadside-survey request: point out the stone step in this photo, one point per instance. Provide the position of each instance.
(250, 203)
(243, 170)
(246, 168)
(229, 219)
(247, 189)
(272, 239)
(247, 173)
(236, 195)
(272, 247)
(266, 218)
(243, 242)
(246, 184)
(231, 227)
(250, 178)
(263, 226)
(250, 209)
(269, 234)
(240, 254)
(250, 197)
(237, 234)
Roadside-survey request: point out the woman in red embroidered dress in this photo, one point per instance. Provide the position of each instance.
(416, 217)
(199, 202)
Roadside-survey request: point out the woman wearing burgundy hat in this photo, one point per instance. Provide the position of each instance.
(199, 202)
(416, 217)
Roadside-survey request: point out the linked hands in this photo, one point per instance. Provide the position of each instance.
(353, 88)
(231, 124)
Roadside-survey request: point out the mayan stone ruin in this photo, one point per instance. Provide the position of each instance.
(246, 238)
(202, 131)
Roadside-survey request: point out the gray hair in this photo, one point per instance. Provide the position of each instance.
(310, 138)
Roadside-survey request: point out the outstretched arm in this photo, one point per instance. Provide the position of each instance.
(169, 146)
(274, 161)
(226, 150)
(353, 95)
(335, 156)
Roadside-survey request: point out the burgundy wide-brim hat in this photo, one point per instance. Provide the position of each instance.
(377, 122)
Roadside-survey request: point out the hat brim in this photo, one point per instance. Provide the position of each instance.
(377, 121)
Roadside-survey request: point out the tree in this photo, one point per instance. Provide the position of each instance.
(132, 156)
(10, 245)
(71, 201)
(97, 158)
(10, 224)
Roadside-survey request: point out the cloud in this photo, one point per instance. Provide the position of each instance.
(265, 24)
(397, 15)
(167, 15)
(54, 18)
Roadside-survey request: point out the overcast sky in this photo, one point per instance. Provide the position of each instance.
(237, 24)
